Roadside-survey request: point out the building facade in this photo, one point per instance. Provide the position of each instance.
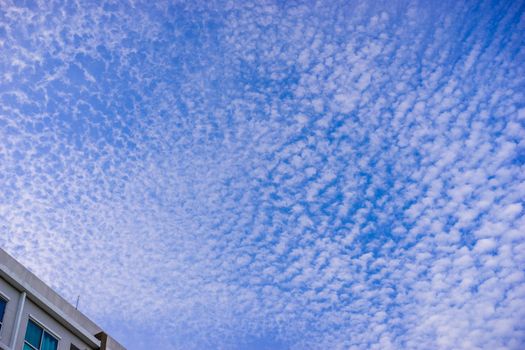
(34, 317)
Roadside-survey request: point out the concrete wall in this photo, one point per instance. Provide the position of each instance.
(8, 292)
(40, 316)
(26, 277)
(46, 307)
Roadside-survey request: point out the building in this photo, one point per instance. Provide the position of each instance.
(34, 317)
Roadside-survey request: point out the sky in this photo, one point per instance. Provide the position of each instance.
(249, 175)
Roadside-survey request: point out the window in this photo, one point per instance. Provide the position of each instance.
(3, 304)
(74, 347)
(37, 338)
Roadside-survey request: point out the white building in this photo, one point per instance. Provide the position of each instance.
(34, 317)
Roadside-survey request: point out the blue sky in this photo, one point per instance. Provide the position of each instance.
(270, 174)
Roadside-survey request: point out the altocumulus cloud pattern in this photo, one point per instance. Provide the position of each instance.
(271, 174)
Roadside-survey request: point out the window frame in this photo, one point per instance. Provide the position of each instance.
(45, 329)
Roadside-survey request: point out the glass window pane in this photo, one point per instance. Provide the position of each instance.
(27, 347)
(2, 309)
(49, 342)
(33, 334)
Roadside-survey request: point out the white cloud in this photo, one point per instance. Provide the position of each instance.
(324, 176)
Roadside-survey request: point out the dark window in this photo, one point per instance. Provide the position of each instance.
(38, 339)
(3, 304)
(74, 347)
